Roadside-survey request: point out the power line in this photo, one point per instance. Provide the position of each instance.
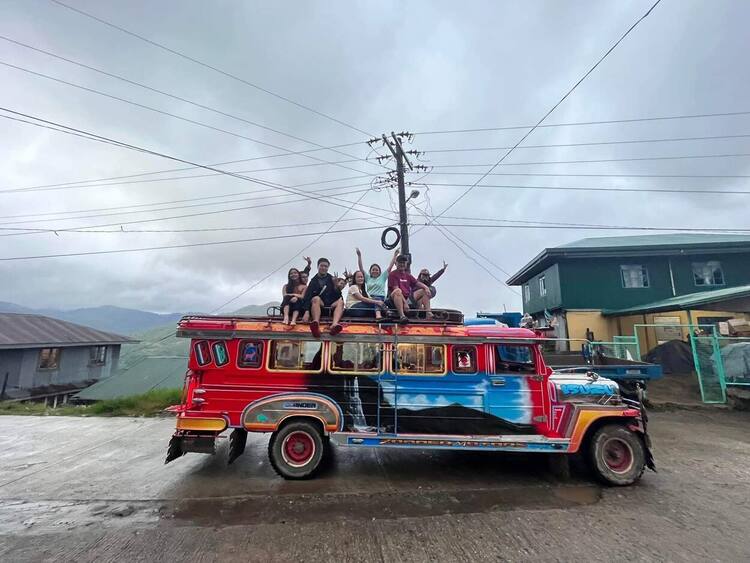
(553, 108)
(175, 116)
(202, 198)
(581, 123)
(644, 158)
(211, 67)
(190, 245)
(601, 175)
(602, 228)
(162, 92)
(598, 143)
(99, 138)
(597, 189)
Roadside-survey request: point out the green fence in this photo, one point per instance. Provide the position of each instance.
(709, 367)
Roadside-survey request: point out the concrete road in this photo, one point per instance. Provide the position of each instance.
(95, 489)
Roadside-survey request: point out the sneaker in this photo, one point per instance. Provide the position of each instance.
(315, 329)
(335, 329)
(403, 320)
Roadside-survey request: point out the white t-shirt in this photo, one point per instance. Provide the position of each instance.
(350, 299)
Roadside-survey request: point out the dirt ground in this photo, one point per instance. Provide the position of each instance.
(93, 489)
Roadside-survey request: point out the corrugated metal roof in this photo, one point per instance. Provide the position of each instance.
(682, 302)
(32, 331)
(678, 239)
(164, 372)
(637, 245)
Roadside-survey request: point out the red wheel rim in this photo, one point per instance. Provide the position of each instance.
(618, 455)
(298, 448)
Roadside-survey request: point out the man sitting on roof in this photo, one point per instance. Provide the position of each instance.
(401, 286)
(323, 291)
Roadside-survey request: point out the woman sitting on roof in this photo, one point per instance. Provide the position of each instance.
(375, 278)
(292, 294)
(358, 301)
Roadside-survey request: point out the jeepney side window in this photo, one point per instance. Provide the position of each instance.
(355, 356)
(295, 355)
(511, 357)
(250, 354)
(419, 359)
(221, 356)
(202, 353)
(465, 359)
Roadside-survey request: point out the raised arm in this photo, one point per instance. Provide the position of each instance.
(393, 260)
(359, 261)
(307, 268)
(440, 272)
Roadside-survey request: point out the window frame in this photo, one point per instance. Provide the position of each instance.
(56, 351)
(94, 356)
(542, 286)
(454, 356)
(329, 359)
(526, 293)
(271, 353)
(706, 263)
(214, 355)
(644, 276)
(399, 373)
(209, 358)
(261, 345)
(496, 360)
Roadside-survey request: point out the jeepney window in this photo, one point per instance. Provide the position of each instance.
(419, 359)
(465, 359)
(355, 356)
(251, 354)
(295, 355)
(202, 353)
(510, 357)
(221, 356)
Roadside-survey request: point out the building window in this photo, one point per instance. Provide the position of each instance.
(526, 293)
(708, 273)
(49, 358)
(634, 275)
(419, 359)
(542, 286)
(355, 357)
(97, 355)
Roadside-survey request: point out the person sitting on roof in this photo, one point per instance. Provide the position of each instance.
(358, 302)
(376, 279)
(421, 299)
(292, 294)
(401, 286)
(323, 291)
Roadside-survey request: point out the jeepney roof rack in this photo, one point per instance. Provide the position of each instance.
(441, 317)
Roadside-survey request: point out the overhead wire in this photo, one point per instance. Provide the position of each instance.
(553, 108)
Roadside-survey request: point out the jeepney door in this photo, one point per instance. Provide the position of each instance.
(515, 390)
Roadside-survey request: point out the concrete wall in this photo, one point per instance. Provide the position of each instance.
(578, 321)
(73, 367)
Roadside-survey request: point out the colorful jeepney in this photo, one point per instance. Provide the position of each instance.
(430, 384)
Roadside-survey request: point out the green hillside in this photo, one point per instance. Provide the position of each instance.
(161, 340)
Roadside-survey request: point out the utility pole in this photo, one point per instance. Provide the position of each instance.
(394, 145)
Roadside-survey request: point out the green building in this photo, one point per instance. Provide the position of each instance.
(607, 285)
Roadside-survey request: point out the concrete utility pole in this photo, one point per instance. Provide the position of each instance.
(397, 150)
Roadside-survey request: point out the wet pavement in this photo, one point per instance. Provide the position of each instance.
(85, 489)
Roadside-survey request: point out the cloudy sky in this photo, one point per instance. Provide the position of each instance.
(375, 67)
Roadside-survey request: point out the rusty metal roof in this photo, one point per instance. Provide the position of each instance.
(37, 331)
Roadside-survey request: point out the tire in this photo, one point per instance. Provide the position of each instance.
(617, 455)
(296, 450)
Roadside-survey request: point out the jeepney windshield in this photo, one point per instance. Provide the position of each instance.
(512, 357)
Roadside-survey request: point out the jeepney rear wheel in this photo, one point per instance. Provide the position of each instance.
(296, 450)
(617, 455)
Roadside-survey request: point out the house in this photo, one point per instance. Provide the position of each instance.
(609, 286)
(45, 357)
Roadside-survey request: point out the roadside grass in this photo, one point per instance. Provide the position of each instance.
(147, 404)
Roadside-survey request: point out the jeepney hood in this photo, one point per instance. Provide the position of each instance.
(580, 388)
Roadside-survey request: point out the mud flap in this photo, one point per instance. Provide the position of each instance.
(175, 449)
(237, 441)
(649, 455)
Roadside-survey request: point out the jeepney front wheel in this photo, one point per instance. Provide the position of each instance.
(296, 450)
(617, 455)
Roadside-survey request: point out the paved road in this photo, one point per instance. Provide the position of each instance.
(93, 489)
